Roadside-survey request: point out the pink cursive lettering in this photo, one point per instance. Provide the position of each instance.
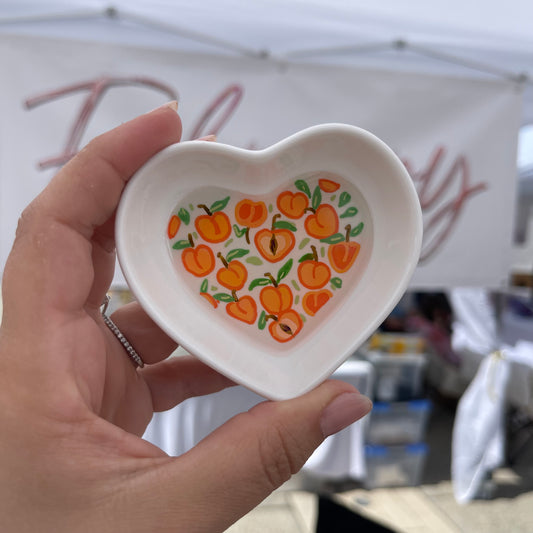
(96, 89)
(443, 197)
(231, 96)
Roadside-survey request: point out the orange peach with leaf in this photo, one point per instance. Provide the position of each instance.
(233, 275)
(213, 226)
(198, 260)
(275, 298)
(250, 214)
(275, 243)
(342, 255)
(312, 273)
(243, 309)
(292, 205)
(323, 222)
(285, 326)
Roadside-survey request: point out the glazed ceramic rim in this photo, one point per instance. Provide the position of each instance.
(287, 377)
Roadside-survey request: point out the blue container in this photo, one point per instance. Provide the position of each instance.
(393, 466)
(398, 422)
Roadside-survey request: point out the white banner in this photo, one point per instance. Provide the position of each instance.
(457, 137)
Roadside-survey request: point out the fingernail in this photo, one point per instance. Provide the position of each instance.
(343, 411)
(173, 105)
(211, 138)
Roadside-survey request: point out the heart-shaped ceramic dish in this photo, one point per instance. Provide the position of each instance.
(271, 266)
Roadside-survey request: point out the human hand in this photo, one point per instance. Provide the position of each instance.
(73, 407)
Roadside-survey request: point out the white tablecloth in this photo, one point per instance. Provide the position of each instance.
(342, 455)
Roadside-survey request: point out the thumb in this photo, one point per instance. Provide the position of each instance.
(242, 462)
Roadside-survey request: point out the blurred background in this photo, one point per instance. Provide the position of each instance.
(449, 87)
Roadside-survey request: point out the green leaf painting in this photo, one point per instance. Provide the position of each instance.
(261, 323)
(344, 199)
(334, 239)
(184, 216)
(223, 297)
(219, 205)
(239, 232)
(284, 224)
(235, 254)
(258, 282)
(317, 198)
(336, 283)
(350, 212)
(357, 230)
(284, 270)
(301, 185)
(181, 245)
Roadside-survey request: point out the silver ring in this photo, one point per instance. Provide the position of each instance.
(130, 350)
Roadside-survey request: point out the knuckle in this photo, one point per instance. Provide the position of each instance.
(280, 454)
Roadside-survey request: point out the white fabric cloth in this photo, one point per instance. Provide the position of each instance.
(475, 327)
(178, 430)
(478, 441)
(478, 433)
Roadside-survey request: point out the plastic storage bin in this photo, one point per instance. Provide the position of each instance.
(397, 343)
(398, 377)
(393, 466)
(398, 422)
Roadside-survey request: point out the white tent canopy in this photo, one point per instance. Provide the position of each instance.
(309, 59)
(455, 37)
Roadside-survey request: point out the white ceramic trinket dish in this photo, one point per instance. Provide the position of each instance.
(271, 266)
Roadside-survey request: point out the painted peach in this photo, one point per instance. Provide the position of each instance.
(199, 260)
(173, 226)
(210, 299)
(274, 244)
(328, 185)
(312, 273)
(251, 214)
(233, 276)
(276, 299)
(323, 223)
(342, 255)
(292, 205)
(243, 309)
(314, 300)
(286, 326)
(213, 227)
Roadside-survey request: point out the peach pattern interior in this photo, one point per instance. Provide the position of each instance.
(276, 262)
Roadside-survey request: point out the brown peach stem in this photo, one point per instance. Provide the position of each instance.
(315, 253)
(274, 218)
(234, 294)
(348, 228)
(191, 242)
(223, 259)
(312, 209)
(271, 278)
(247, 235)
(273, 317)
(206, 209)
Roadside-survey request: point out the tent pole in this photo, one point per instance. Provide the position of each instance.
(115, 14)
(403, 45)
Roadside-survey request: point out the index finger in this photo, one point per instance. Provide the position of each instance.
(87, 189)
(51, 264)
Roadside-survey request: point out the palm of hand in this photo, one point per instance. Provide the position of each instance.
(72, 404)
